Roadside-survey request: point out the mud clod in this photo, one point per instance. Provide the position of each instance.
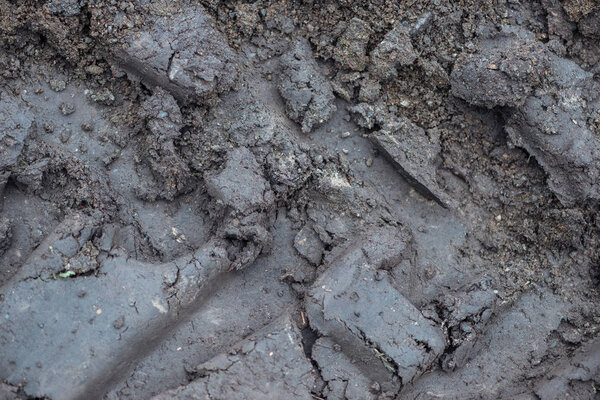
(308, 244)
(257, 367)
(343, 378)
(16, 123)
(5, 234)
(164, 123)
(351, 47)
(68, 8)
(503, 73)
(240, 185)
(359, 312)
(181, 52)
(393, 51)
(414, 151)
(66, 108)
(550, 123)
(308, 95)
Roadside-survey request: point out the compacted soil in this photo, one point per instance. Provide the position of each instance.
(205, 199)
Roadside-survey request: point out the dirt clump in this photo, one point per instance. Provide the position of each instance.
(308, 96)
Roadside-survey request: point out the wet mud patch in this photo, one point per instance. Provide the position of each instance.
(342, 200)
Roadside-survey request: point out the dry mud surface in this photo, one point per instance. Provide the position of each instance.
(299, 199)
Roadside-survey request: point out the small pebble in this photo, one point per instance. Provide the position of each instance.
(94, 70)
(48, 127)
(345, 135)
(375, 387)
(65, 135)
(119, 322)
(108, 159)
(66, 109)
(57, 85)
(103, 96)
(429, 272)
(87, 127)
(369, 162)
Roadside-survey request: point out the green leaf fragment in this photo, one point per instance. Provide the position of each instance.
(66, 274)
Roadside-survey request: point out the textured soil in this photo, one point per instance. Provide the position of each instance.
(299, 199)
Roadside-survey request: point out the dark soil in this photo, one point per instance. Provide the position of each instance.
(299, 199)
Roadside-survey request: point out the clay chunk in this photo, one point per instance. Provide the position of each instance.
(268, 365)
(552, 123)
(307, 94)
(359, 308)
(180, 52)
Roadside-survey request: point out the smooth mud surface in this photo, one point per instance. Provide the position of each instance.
(299, 199)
